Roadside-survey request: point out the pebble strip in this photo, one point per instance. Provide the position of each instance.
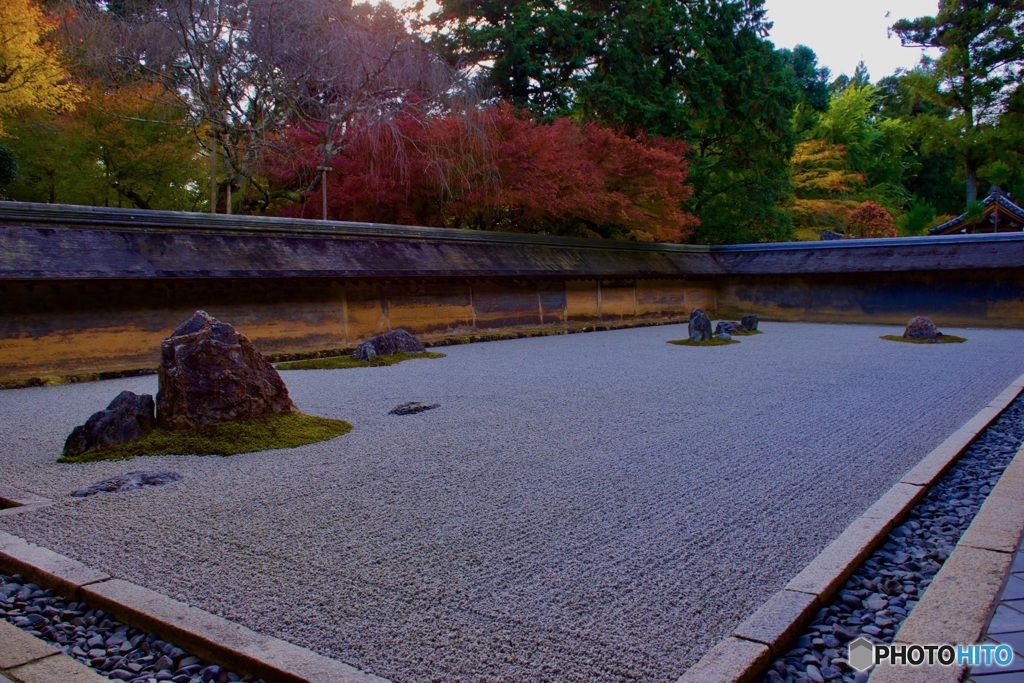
(101, 642)
(876, 599)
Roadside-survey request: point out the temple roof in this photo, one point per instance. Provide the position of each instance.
(1000, 215)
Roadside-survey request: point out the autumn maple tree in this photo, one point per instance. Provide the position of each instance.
(494, 168)
(871, 220)
(32, 71)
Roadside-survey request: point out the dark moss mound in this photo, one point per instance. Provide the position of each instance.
(745, 333)
(714, 341)
(944, 339)
(226, 438)
(345, 362)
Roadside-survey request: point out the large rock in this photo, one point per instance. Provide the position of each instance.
(395, 341)
(700, 326)
(921, 328)
(211, 373)
(749, 322)
(127, 418)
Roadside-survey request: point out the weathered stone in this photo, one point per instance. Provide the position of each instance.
(211, 373)
(700, 326)
(395, 341)
(724, 335)
(749, 322)
(920, 328)
(127, 418)
(142, 479)
(724, 326)
(412, 408)
(831, 235)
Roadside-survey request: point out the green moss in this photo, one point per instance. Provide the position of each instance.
(345, 362)
(714, 341)
(944, 339)
(745, 333)
(226, 438)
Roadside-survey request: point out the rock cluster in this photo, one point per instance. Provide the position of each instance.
(142, 479)
(208, 373)
(395, 341)
(101, 642)
(878, 597)
(921, 328)
(127, 418)
(211, 373)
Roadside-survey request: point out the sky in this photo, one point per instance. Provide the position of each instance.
(841, 32)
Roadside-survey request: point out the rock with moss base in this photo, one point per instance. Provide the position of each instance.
(395, 341)
(700, 326)
(749, 322)
(210, 373)
(921, 328)
(127, 418)
(726, 327)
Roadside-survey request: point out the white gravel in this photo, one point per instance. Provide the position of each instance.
(592, 507)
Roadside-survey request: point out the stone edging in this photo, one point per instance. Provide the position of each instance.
(958, 604)
(200, 633)
(768, 634)
(14, 501)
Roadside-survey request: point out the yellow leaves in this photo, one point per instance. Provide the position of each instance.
(822, 170)
(32, 73)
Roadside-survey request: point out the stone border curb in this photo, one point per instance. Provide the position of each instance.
(770, 632)
(14, 501)
(960, 601)
(200, 633)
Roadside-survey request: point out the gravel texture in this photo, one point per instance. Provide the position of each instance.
(595, 507)
(880, 595)
(96, 639)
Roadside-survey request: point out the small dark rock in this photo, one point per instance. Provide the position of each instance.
(726, 327)
(129, 482)
(395, 341)
(749, 322)
(700, 326)
(827, 235)
(128, 417)
(412, 408)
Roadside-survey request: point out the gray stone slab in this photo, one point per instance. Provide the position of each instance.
(779, 621)
(56, 669)
(18, 647)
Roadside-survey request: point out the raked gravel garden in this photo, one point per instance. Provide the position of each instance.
(596, 507)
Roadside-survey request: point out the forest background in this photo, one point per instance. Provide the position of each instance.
(651, 121)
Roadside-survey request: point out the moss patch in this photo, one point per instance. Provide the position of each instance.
(345, 362)
(745, 333)
(714, 341)
(226, 438)
(944, 339)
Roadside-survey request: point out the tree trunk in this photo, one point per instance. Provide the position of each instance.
(972, 181)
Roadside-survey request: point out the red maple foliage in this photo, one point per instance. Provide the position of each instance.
(871, 220)
(496, 169)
